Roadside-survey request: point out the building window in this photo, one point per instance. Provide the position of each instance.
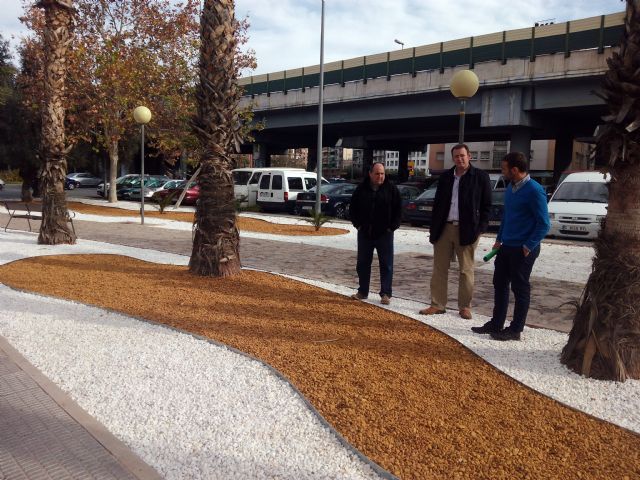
(485, 156)
(498, 155)
(474, 156)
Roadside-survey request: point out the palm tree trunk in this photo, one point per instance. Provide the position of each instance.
(605, 339)
(55, 229)
(216, 240)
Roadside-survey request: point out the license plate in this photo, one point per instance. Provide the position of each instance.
(425, 208)
(574, 228)
(494, 223)
(306, 207)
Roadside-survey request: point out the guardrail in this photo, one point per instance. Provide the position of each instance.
(588, 33)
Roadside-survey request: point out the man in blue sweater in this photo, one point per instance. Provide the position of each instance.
(524, 224)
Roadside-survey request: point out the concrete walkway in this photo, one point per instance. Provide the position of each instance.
(46, 435)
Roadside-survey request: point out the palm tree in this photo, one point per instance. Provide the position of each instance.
(216, 240)
(605, 339)
(55, 229)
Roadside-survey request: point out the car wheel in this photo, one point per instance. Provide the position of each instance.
(341, 211)
(297, 211)
(71, 186)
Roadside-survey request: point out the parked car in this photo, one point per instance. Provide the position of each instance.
(190, 198)
(498, 181)
(151, 186)
(497, 208)
(335, 200)
(124, 179)
(71, 184)
(279, 188)
(245, 182)
(579, 205)
(418, 211)
(408, 192)
(84, 179)
(1, 184)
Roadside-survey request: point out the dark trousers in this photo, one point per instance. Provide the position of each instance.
(512, 268)
(384, 246)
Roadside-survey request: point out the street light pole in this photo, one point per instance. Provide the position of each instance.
(399, 43)
(320, 112)
(464, 85)
(142, 116)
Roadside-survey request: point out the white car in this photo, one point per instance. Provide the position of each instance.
(579, 205)
(1, 184)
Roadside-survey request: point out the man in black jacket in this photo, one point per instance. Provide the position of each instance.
(376, 211)
(460, 214)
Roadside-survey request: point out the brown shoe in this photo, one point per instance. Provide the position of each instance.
(385, 299)
(432, 311)
(466, 313)
(359, 296)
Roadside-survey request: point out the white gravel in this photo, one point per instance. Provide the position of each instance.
(189, 408)
(196, 410)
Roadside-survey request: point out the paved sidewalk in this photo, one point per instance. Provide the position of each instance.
(46, 435)
(551, 300)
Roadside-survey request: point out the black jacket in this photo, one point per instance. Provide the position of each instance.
(474, 204)
(376, 212)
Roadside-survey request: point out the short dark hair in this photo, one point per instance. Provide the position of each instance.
(517, 160)
(374, 164)
(458, 146)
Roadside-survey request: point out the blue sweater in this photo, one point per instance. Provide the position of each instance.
(526, 219)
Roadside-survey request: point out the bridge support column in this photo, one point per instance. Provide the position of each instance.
(261, 155)
(563, 154)
(312, 158)
(367, 160)
(521, 142)
(403, 165)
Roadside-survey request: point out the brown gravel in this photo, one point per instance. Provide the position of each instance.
(244, 223)
(412, 399)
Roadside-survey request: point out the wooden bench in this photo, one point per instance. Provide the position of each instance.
(29, 211)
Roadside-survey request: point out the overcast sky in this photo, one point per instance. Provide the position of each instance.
(286, 33)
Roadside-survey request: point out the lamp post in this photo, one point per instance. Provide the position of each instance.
(320, 112)
(142, 115)
(464, 85)
(399, 43)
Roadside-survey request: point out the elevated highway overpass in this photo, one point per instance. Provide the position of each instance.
(535, 83)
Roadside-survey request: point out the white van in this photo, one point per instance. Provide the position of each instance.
(578, 205)
(279, 188)
(245, 183)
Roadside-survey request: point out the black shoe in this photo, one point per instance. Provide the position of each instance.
(505, 334)
(488, 327)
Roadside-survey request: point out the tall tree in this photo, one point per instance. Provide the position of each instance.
(605, 339)
(126, 53)
(216, 243)
(54, 229)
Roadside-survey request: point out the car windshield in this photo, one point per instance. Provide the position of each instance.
(588, 192)
(428, 194)
(241, 178)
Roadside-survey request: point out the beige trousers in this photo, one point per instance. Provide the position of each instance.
(447, 244)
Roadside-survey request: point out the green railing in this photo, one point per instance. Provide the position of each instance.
(589, 33)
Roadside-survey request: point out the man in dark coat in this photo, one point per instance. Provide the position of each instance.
(460, 215)
(376, 210)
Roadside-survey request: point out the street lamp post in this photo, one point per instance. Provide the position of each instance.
(320, 112)
(142, 116)
(399, 43)
(464, 85)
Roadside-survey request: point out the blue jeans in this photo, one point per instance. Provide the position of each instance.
(384, 246)
(512, 267)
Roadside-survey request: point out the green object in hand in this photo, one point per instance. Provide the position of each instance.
(491, 254)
